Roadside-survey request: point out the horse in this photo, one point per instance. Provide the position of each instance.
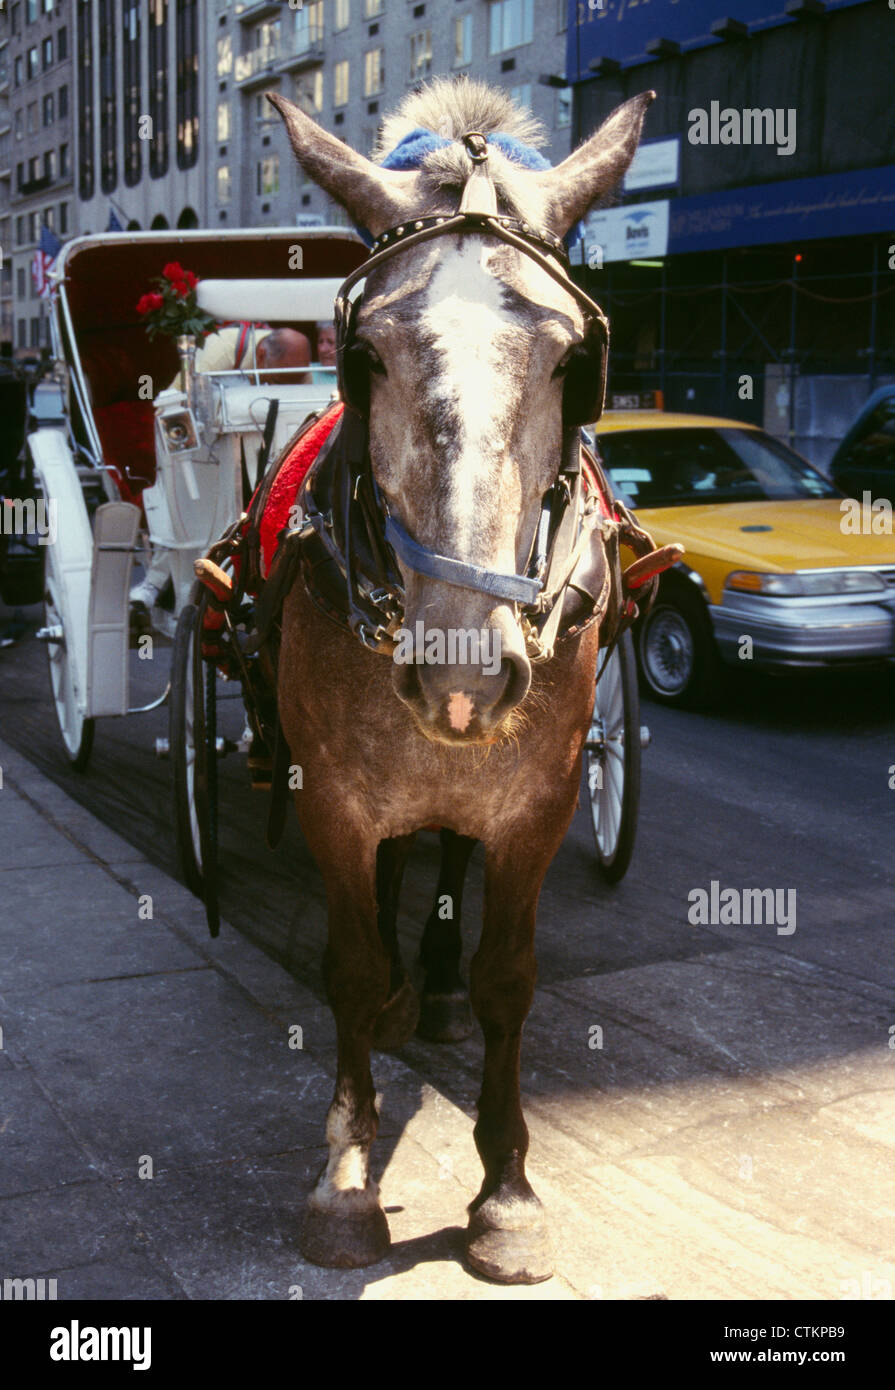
(471, 360)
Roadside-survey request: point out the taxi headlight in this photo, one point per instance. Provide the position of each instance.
(806, 585)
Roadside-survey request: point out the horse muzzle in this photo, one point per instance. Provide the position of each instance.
(461, 684)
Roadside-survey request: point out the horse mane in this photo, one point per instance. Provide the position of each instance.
(451, 106)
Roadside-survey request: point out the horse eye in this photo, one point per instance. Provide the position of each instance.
(370, 355)
(565, 361)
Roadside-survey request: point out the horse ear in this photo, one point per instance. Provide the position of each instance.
(376, 198)
(596, 167)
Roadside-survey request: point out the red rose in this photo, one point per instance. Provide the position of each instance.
(191, 279)
(148, 303)
(173, 271)
(181, 288)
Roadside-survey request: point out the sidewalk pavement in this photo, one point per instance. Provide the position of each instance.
(159, 1135)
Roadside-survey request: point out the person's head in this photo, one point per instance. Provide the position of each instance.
(283, 347)
(326, 344)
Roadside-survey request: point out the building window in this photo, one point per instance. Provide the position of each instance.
(108, 98)
(62, 104)
(62, 45)
(371, 8)
(225, 56)
(374, 72)
(32, 168)
(86, 175)
(562, 16)
(269, 175)
(49, 6)
(47, 53)
(19, 70)
(31, 11)
(511, 24)
(33, 226)
(35, 331)
(22, 333)
(223, 126)
(20, 176)
(49, 164)
(308, 26)
(20, 125)
(420, 54)
(342, 16)
(340, 83)
(63, 162)
(462, 40)
(309, 92)
(158, 87)
(50, 218)
(32, 117)
(48, 109)
(522, 95)
(20, 282)
(33, 61)
(563, 107)
(130, 43)
(187, 83)
(63, 218)
(223, 183)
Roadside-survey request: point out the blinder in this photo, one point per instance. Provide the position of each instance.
(584, 389)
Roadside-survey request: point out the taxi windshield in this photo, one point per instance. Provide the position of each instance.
(693, 466)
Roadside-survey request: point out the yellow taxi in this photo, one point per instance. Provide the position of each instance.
(779, 569)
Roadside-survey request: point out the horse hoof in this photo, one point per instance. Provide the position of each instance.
(445, 1018)
(345, 1240)
(510, 1243)
(397, 1021)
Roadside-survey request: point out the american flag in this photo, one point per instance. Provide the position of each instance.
(44, 256)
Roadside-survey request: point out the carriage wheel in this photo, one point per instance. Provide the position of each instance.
(613, 759)
(77, 731)
(192, 738)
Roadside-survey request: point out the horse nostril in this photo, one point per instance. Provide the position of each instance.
(516, 671)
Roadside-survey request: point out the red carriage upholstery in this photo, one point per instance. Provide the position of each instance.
(114, 360)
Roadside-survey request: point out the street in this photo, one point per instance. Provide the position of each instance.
(711, 1107)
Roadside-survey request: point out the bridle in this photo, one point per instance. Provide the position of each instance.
(348, 524)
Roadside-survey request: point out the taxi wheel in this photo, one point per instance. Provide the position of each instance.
(678, 658)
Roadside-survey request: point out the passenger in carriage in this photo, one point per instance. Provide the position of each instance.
(228, 349)
(326, 354)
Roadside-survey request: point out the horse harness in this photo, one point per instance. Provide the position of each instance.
(347, 543)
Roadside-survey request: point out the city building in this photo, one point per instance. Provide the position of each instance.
(749, 267)
(36, 155)
(347, 63)
(142, 146)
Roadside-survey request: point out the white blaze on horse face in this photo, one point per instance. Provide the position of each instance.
(468, 320)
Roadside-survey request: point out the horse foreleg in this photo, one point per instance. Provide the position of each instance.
(445, 1015)
(507, 1238)
(396, 1023)
(345, 1226)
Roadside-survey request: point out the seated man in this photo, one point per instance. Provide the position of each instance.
(226, 350)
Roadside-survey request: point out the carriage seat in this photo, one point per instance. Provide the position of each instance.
(114, 361)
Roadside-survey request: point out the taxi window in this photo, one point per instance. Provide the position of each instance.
(687, 467)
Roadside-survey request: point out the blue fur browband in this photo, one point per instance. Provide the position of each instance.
(410, 152)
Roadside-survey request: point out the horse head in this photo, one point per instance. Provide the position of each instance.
(473, 364)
